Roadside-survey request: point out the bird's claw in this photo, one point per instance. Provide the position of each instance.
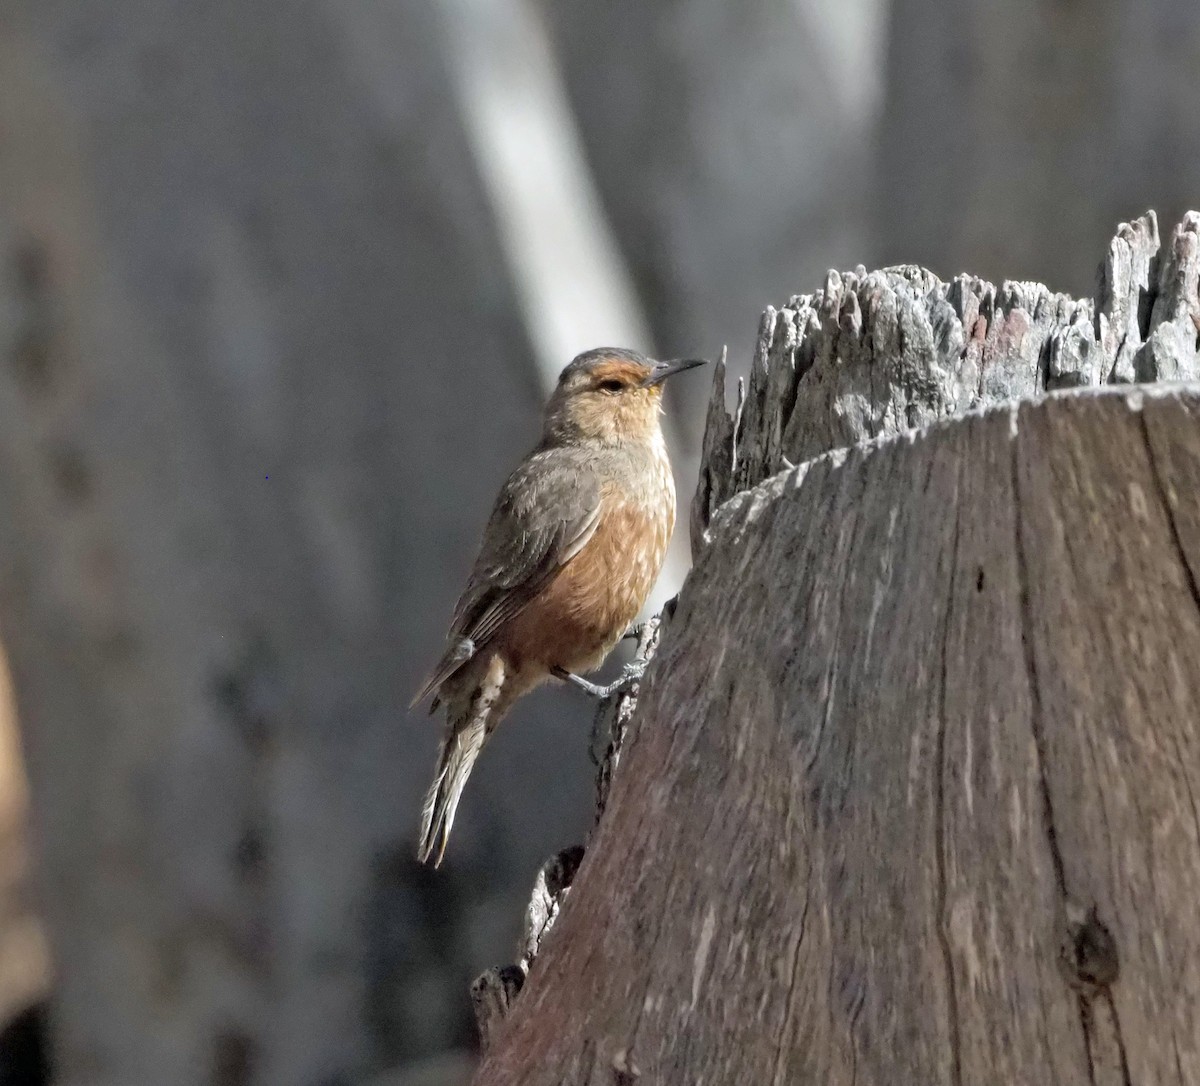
(630, 674)
(635, 631)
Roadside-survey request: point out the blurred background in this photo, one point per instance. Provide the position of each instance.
(282, 287)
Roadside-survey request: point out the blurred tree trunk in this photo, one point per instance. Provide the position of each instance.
(1015, 134)
(24, 965)
(245, 453)
(909, 793)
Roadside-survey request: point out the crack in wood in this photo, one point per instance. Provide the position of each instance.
(1035, 717)
(939, 829)
(1193, 582)
(1126, 1078)
(1085, 1023)
(1031, 671)
(831, 671)
(1160, 486)
(793, 976)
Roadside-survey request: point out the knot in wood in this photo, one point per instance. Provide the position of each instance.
(492, 995)
(1089, 952)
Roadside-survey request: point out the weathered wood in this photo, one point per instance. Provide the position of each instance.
(908, 794)
(495, 990)
(909, 725)
(880, 353)
(615, 714)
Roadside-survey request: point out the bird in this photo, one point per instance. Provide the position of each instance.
(573, 546)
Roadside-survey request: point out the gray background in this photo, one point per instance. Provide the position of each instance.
(281, 289)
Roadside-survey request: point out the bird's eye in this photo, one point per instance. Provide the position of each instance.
(611, 385)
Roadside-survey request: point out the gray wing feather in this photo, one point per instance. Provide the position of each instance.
(544, 516)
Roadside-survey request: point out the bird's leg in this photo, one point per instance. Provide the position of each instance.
(579, 681)
(635, 631)
(631, 673)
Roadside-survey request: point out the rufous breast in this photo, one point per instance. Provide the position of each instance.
(579, 617)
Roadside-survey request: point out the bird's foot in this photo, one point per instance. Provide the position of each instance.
(638, 628)
(631, 674)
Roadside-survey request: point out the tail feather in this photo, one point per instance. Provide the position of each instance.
(458, 652)
(455, 761)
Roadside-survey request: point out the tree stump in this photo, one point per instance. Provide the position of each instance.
(908, 795)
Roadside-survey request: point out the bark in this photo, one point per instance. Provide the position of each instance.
(873, 355)
(908, 795)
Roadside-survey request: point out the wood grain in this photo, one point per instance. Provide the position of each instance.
(909, 795)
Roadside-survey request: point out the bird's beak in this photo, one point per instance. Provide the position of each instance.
(663, 370)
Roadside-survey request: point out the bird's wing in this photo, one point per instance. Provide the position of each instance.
(545, 514)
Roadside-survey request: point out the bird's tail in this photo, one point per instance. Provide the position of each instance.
(456, 758)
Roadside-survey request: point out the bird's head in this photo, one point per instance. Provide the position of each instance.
(610, 396)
